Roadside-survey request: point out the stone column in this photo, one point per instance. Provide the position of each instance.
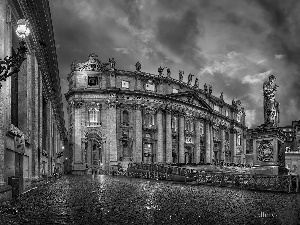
(207, 144)
(77, 133)
(111, 152)
(35, 120)
(168, 137)
(197, 142)
(211, 144)
(160, 143)
(22, 96)
(233, 146)
(222, 144)
(137, 151)
(181, 139)
(3, 90)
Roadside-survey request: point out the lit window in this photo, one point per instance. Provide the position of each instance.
(216, 108)
(239, 141)
(226, 113)
(175, 90)
(238, 117)
(125, 84)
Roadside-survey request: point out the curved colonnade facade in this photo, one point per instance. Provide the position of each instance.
(118, 116)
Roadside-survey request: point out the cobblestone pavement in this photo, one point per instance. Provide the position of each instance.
(121, 200)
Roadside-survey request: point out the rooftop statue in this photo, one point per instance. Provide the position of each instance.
(112, 63)
(190, 77)
(196, 83)
(205, 87)
(168, 73)
(181, 75)
(271, 106)
(138, 66)
(221, 96)
(160, 70)
(210, 89)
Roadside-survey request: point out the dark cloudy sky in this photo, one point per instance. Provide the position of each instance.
(231, 44)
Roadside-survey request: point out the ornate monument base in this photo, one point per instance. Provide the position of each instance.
(268, 151)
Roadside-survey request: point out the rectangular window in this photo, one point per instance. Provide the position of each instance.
(94, 117)
(125, 84)
(92, 81)
(175, 90)
(150, 87)
(174, 123)
(216, 108)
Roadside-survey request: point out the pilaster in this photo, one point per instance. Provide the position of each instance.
(222, 144)
(35, 119)
(168, 137)
(234, 146)
(137, 151)
(160, 144)
(208, 142)
(197, 142)
(181, 139)
(211, 143)
(77, 133)
(111, 152)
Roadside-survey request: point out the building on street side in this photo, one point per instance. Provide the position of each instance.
(31, 116)
(118, 116)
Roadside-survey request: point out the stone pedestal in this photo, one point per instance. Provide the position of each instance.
(268, 151)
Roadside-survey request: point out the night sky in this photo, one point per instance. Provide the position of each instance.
(233, 45)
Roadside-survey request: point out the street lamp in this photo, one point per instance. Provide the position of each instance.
(15, 61)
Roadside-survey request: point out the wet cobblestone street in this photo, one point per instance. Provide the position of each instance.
(121, 200)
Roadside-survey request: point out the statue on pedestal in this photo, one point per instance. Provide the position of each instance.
(112, 63)
(210, 89)
(190, 77)
(271, 106)
(168, 73)
(138, 66)
(160, 70)
(196, 85)
(205, 87)
(181, 75)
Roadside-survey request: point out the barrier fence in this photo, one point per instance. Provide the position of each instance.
(280, 183)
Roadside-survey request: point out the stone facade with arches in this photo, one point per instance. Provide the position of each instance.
(133, 116)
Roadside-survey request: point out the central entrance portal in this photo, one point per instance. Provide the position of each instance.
(94, 156)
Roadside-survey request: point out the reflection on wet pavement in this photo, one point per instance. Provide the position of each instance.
(121, 200)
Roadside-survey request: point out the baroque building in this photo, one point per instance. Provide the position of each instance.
(30, 100)
(118, 116)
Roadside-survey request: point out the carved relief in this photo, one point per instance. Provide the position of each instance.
(265, 151)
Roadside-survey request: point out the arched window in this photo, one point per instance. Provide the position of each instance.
(201, 128)
(125, 117)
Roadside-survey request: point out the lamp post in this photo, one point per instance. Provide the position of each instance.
(14, 62)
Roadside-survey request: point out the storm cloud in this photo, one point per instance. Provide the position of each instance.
(233, 45)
